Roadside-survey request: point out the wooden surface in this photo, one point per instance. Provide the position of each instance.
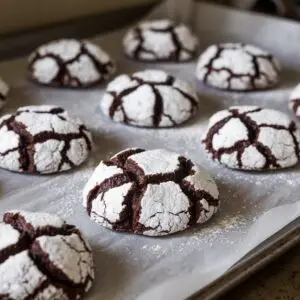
(278, 281)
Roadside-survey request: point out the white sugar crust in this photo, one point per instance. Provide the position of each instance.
(139, 100)
(107, 207)
(79, 57)
(164, 207)
(77, 265)
(101, 173)
(48, 153)
(165, 161)
(41, 219)
(8, 236)
(226, 138)
(158, 41)
(274, 132)
(270, 117)
(21, 277)
(237, 67)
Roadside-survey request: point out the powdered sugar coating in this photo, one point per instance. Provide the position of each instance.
(294, 103)
(41, 219)
(70, 63)
(160, 40)
(252, 138)
(42, 139)
(9, 236)
(20, 278)
(45, 263)
(150, 98)
(75, 265)
(237, 67)
(4, 89)
(154, 192)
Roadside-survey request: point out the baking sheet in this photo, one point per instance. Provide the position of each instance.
(128, 266)
(265, 253)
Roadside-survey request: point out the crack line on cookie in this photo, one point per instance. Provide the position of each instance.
(253, 131)
(28, 242)
(158, 108)
(173, 56)
(27, 141)
(256, 66)
(129, 216)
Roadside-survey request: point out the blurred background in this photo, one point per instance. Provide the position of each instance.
(19, 16)
(26, 24)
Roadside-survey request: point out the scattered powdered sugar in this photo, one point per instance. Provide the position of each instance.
(219, 230)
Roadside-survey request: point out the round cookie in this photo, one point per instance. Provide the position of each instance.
(70, 63)
(42, 257)
(252, 138)
(160, 40)
(237, 67)
(294, 103)
(154, 192)
(4, 89)
(42, 139)
(150, 98)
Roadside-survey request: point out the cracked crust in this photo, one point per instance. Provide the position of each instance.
(160, 40)
(4, 89)
(150, 98)
(70, 63)
(154, 192)
(42, 257)
(252, 138)
(294, 103)
(237, 67)
(42, 139)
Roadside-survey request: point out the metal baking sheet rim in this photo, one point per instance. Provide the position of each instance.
(262, 255)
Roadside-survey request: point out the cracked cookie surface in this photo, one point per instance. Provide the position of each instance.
(160, 40)
(70, 63)
(154, 192)
(237, 67)
(4, 89)
(42, 139)
(150, 98)
(252, 138)
(294, 103)
(42, 257)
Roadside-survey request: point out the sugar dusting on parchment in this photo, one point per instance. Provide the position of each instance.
(207, 235)
(68, 189)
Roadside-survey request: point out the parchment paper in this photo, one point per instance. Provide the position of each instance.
(254, 205)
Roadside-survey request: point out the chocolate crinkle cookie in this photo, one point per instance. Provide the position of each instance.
(252, 138)
(42, 139)
(43, 258)
(151, 98)
(154, 192)
(160, 40)
(295, 101)
(70, 63)
(4, 89)
(237, 67)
